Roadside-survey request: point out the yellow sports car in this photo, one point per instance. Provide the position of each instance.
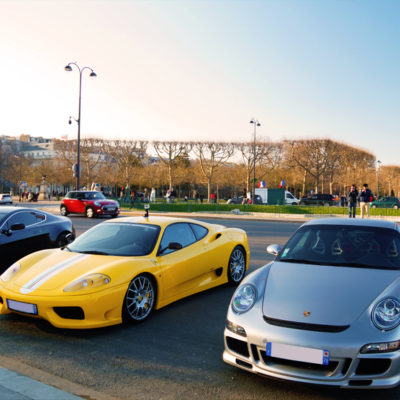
(122, 270)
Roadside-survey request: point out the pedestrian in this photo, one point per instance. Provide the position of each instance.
(365, 199)
(153, 195)
(352, 196)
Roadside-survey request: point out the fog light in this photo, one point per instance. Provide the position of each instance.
(380, 347)
(235, 328)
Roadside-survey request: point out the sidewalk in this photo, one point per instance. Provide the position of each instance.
(14, 386)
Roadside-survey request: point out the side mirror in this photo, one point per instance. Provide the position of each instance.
(68, 239)
(274, 249)
(174, 246)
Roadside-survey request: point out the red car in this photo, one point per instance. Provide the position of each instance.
(88, 202)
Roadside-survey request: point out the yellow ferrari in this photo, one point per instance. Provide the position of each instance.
(122, 270)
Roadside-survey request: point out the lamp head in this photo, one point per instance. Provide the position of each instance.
(93, 74)
(68, 68)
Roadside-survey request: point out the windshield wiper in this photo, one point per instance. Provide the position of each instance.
(101, 253)
(67, 248)
(300, 261)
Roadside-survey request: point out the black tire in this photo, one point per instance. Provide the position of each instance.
(63, 210)
(61, 239)
(89, 212)
(237, 265)
(139, 299)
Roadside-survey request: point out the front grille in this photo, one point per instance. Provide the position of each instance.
(69, 312)
(305, 327)
(237, 346)
(303, 366)
(373, 366)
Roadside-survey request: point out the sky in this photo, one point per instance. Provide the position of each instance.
(202, 69)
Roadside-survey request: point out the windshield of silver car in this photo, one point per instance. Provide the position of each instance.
(341, 245)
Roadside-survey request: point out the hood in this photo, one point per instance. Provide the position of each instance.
(59, 268)
(332, 295)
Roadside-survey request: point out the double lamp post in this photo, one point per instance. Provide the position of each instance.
(77, 167)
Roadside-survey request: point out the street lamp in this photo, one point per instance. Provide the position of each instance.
(378, 163)
(256, 123)
(68, 68)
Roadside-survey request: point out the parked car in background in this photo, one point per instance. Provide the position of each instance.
(124, 269)
(6, 198)
(318, 199)
(89, 202)
(239, 200)
(326, 311)
(25, 230)
(386, 202)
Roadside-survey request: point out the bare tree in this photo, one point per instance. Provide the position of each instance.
(212, 155)
(129, 156)
(171, 153)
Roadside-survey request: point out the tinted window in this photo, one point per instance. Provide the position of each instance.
(26, 217)
(71, 195)
(365, 247)
(199, 231)
(117, 239)
(180, 233)
(93, 196)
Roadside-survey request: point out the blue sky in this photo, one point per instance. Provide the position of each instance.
(201, 69)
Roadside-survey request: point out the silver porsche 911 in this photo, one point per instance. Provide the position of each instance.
(326, 311)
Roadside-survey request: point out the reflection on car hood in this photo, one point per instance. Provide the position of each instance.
(57, 268)
(332, 295)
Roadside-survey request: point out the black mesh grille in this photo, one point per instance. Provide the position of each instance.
(69, 312)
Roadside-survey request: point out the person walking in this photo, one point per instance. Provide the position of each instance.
(365, 199)
(352, 200)
(153, 195)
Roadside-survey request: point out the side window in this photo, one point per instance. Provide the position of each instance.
(71, 195)
(180, 232)
(26, 218)
(199, 231)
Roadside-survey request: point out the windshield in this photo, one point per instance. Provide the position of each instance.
(93, 196)
(117, 239)
(353, 246)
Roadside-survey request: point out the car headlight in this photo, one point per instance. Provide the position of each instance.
(386, 314)
(244, 298)
(97, 203)
(88, 282)
(10, 272)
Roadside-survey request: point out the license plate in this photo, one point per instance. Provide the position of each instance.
(110, 209)
(297, 353)
(22, 307)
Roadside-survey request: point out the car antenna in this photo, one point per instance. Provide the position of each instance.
(146, 207)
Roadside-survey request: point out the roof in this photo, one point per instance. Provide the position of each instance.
(368, 222)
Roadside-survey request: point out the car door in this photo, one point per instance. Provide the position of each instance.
(16, 244)
(183, 269)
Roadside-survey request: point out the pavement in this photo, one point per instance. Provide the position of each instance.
(18, 386)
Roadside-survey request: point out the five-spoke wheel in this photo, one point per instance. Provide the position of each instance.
(90, 212)
(63, 210)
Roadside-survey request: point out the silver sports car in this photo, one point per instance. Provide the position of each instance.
(326, 311)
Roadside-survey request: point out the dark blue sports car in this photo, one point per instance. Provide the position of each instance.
(25, 230)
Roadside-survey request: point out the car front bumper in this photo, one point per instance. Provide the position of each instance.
(347, 367)
(99, 309)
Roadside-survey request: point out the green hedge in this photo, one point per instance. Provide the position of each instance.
(244, 208)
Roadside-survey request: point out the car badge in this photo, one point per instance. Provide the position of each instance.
(307, 313)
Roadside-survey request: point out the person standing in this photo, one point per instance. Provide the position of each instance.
(153, 195)
(352, 199)
(365, 198)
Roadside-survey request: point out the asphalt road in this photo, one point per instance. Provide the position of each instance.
(176, 354)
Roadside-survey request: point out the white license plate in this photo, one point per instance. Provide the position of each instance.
(297, 353)
(110, 209)
(22, 307)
